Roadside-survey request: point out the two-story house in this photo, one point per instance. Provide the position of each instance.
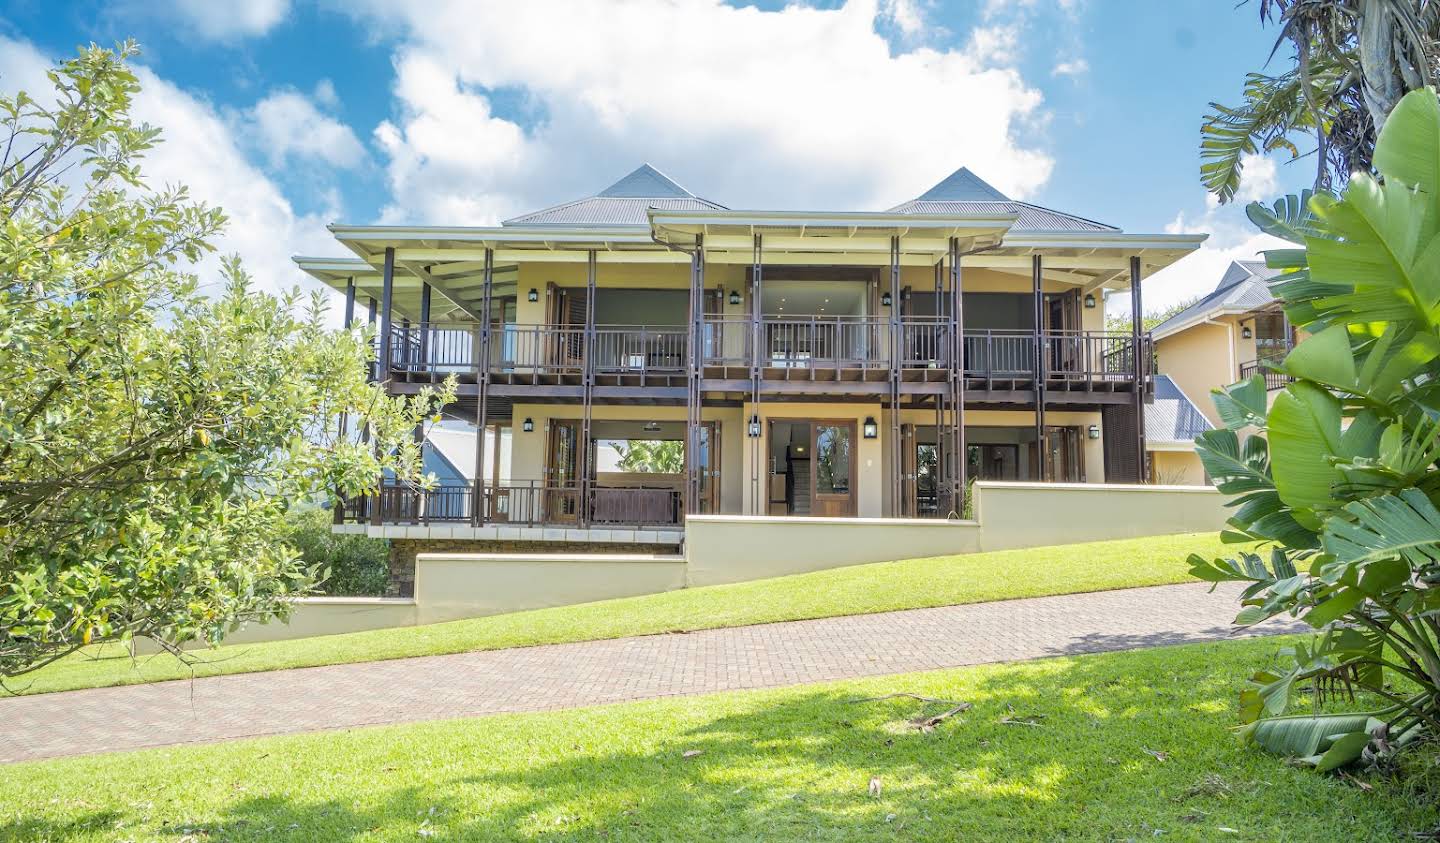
(639, 354)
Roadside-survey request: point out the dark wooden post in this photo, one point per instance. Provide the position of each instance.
(896, 453)
(1037, 272)
(482, 390)
(425, 326)
(693, 468)
(588, 390)
(387, 301)
(350, 302)
(960, 465)
(757, 340)
(1139, 357)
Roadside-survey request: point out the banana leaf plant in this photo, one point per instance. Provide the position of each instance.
(1338, 471)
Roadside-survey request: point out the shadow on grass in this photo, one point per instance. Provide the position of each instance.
(1115, 747)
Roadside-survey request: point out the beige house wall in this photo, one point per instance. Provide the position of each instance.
(312, 616)
(1177, 468)
(1202, 358)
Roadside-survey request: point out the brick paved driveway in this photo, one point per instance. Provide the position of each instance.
(595, 672)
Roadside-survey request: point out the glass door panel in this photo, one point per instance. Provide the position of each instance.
(834, 469)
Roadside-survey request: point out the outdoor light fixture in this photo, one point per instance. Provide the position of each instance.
(528, 425)
(1246, 333)
(1094, 431)
(754, 427)
(652, 427)
(1090, 300)
(870, 428)
(885, 300)
(533, 295)
(735, 297)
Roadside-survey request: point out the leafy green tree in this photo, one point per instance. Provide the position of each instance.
(1352, 62)
(151, 438)
(1341, 472)
(349, 565)
(657, 456)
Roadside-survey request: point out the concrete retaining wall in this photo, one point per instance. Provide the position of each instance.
(450, 586)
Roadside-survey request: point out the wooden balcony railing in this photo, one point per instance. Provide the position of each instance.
(1273, 379)
(814, 342)
(532, 503)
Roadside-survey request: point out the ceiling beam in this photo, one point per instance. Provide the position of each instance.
(439, 284)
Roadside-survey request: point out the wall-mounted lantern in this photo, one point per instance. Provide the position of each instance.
(885, 300)
(1090, 301)
(1246, 333)
(1094, 431)
(754, 429)
(870, 429)
(735, 298)
(532, 296)
(528, 425)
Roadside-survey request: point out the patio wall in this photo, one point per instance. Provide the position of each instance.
(728, 548)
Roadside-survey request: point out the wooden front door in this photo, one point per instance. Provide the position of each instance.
(909, 473)
(709, 461)
(833, 469)
(562, 472)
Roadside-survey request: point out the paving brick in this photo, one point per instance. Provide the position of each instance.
(598, 672)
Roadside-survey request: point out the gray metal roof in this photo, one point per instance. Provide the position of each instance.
(622, 203)
(1173, 417)
(1243, 287)
(962, 193)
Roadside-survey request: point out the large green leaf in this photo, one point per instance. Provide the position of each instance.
(1405, 526)
(1304, 736)
(1408, 149)
(1304, 428)
(1290, 218)
(1324, 357)
(1242, 404)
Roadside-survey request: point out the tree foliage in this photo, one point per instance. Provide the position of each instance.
(654, 456)
(152, 438)
(1341, 471)
(1352, 61)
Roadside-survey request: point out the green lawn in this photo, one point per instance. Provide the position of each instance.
(855, 590)
(1123, 746)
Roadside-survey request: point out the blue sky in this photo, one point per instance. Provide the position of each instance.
(294, 113)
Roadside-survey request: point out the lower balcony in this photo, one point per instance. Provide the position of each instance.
(524, 504)
(1274, 379)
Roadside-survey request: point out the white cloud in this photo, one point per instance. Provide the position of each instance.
(1232, 238)
(324, 94)
(1073, 67)
(287, 125)
(909, 16)
(1260, 180)
(224, 20)
(801, 106)
(199, 150)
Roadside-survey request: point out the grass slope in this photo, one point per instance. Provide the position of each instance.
(1123, 746)
(862, 589)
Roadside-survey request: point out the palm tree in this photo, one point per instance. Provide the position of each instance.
(1353, 61)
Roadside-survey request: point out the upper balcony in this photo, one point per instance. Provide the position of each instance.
(836, 350)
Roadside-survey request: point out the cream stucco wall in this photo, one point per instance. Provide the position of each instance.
(311, 616)
(1177, 468)
(722, 549)
(466, 585)
(1200, 359)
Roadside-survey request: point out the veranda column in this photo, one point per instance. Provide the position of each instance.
(425, 325)
(482, 390)
(387, 300)
(896, 455)
(1037, 271)
(1140, 359)
(587, 390)
(757, 344)
(961, 464)
(693, 468)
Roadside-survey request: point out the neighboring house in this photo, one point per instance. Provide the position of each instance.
(1230, 334)
(813, 363)
(1171, 424)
